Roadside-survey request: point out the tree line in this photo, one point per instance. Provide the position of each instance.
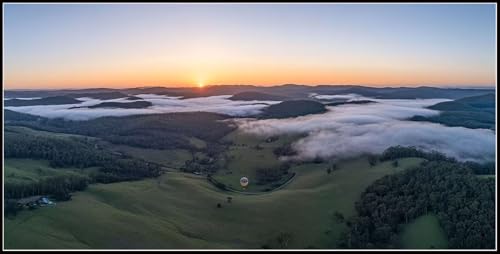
(70, 152)
(397, 152)
(463, 203)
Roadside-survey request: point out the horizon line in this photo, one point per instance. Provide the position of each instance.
(450, 86)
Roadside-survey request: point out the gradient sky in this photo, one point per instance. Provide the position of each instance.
(126, 45)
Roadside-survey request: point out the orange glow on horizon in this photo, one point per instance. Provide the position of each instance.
(191, 73)
(263, 76)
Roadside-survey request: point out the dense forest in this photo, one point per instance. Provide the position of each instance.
(464, 205)
(293, 108)
(396, 152)
(69, 152)
(159, 131)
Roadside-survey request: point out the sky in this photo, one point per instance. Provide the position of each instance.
(130, 45)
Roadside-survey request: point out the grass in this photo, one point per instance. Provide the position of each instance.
(424, 233)
(486, 176)
(173, 158)
(178, 210)
(29, 170)
(244, 158)
(198, 143)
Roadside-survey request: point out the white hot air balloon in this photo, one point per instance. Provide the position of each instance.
(244, 182)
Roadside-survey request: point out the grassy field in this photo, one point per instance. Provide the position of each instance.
(486, 176)
(179, 210)
(424, 233)
(173, 158)
(28, 170)
(247, 154)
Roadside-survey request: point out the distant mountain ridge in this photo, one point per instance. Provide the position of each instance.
(288, 90)
(256, 96)
(53, 100)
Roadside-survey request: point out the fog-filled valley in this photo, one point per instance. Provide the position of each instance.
(192, 166)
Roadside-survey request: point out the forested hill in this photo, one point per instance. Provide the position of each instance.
(161, 131)
(463, 203)
(64, 151)
(10, 115)
(252, 96)
(474, 103)
(469, 112)
(54, 100)
(293, 108)
(134, 104)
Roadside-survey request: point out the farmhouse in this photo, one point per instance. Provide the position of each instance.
(34, 201)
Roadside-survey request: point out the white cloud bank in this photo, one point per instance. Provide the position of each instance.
(351, 130)
(344, 131)
(161, 104)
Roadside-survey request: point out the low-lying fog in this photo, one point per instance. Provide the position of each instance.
(344, 131)
(161, 104)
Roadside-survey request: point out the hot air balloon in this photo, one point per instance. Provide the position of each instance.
(244, 182)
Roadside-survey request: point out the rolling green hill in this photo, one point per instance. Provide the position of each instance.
(179, 210)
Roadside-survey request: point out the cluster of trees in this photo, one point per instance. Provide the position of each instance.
(60, 152)
(463, 203)
(70, 152)
(204, 164)
(285, 150)
(267, 175)
(56, 185)
(332, 168)
(270, 175)
(125, 169)
(397, 152)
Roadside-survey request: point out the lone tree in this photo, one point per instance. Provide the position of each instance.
(229, 199)
(219, 205)
(372, 160)
(334, 166)
(395, 163)
(329, 170)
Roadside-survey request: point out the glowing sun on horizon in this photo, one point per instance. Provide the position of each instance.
(201, 85)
